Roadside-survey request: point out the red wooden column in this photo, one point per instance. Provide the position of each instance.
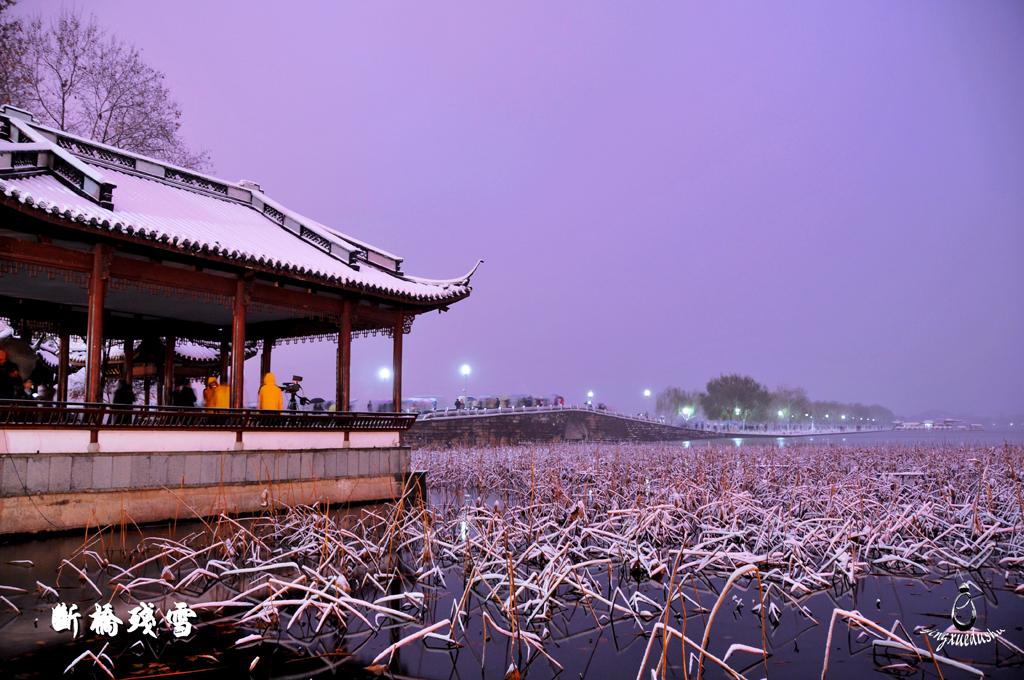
(343, 394)
(168, 384)
(129, 360)
(238, 343)
(396, 364)
(62, 365)
(225, 360)
(94, 325)
(265, 365)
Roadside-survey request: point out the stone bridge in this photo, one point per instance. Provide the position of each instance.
(496, 427)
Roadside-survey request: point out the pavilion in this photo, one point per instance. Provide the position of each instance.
(99, 244)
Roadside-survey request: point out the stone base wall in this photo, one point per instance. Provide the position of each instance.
(502, 429)
(49, 492)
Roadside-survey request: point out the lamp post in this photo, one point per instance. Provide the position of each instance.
(465, 370)
(590, 397)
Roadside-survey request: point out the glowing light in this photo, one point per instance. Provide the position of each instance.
(781, 413)
(384, 373)
(465, 370)
(687, 412)
(590, 394)
(843, 416)
(736, 411)
(647, 393)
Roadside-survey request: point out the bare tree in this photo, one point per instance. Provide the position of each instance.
(672, 401)
(83, 80)
(14, 76)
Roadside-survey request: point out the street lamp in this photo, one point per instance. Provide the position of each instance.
(781, 413)
(384, 373)
(590, 397)
(647, 393)
(465, 370)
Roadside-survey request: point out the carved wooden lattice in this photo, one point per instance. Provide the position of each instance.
(83, 149)
(315, 238)
(21, 159)
(273, 213)
(196, 181)
(72, 174)
(169, 291)
(8, 267)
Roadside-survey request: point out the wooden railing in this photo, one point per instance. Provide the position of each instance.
(60, 415)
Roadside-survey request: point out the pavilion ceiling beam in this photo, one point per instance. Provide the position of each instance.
(32, 221)
(45, 255)
(157, 274)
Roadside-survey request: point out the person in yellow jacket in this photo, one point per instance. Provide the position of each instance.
(210, 392)
(222, 396)
(270, 398)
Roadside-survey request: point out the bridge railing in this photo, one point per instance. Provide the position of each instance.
(510, 410)
(61, 415)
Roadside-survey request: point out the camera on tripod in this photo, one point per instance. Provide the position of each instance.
(293, 387)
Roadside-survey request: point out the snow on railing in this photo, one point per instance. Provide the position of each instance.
(510, 410)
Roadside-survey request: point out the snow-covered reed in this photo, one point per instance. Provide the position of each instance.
(509, 543)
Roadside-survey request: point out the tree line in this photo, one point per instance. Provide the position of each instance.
(740, 397)
(75, 76)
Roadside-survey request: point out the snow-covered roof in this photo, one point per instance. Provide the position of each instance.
(113, 190)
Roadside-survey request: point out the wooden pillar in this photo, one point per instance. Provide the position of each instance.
(225, 360)
(145, 388)
(94, 325)
(168, 384)
(238, 343)
(396, 364)
(265, 365)
(64, 338)
(129, 361)
(343, 383)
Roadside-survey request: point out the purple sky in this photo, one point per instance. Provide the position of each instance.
(817, 195)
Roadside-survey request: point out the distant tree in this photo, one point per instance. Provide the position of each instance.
(672, 400)
(792, 401)
(14, 75)
(85, 81)
(727, 393)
